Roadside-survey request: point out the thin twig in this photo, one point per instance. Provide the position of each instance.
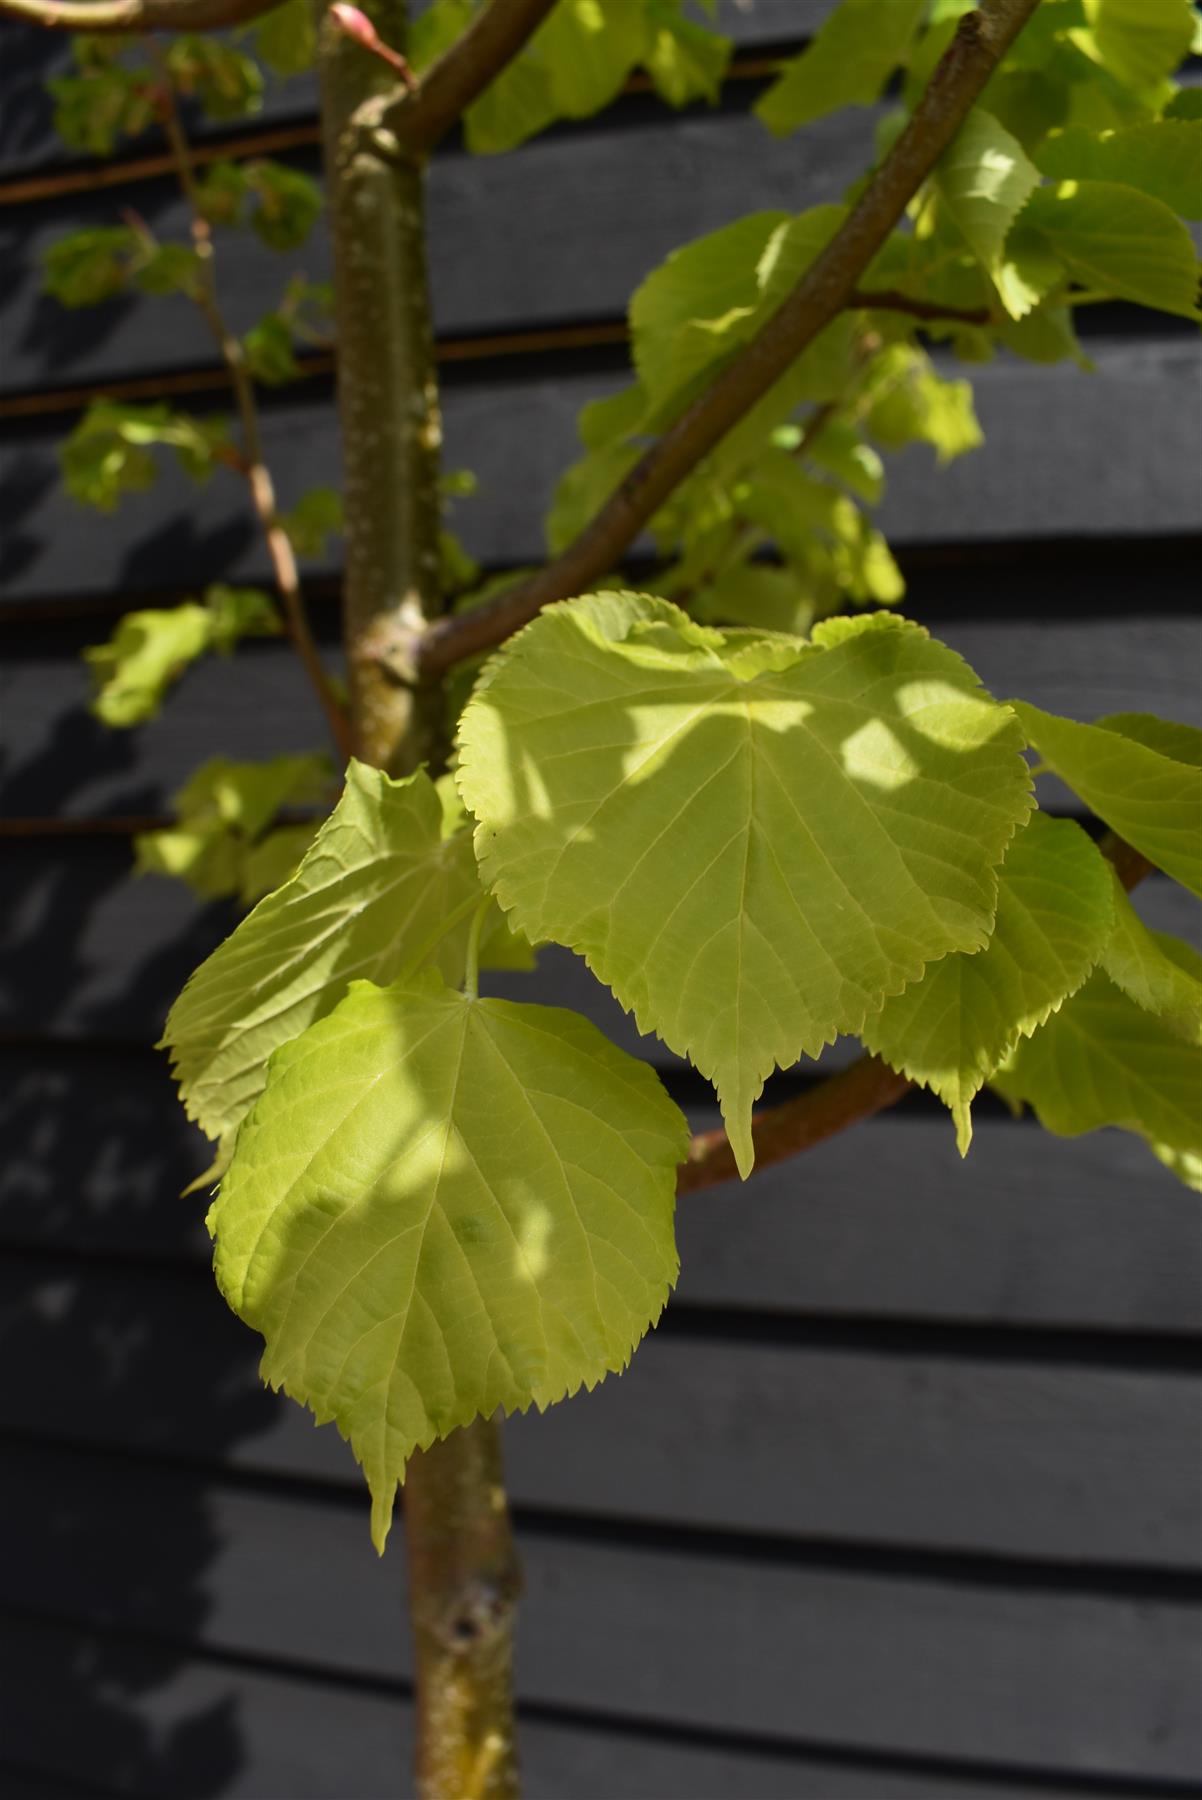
(981, 39)
(856, 1093)
(412, 123)
(253, 462)
(893, 300)
(136, 15)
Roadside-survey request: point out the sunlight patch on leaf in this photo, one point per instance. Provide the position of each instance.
(441, 1207)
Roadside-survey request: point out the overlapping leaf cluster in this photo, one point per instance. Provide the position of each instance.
(762, 821)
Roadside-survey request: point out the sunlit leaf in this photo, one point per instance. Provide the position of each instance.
(443, 1206)
(752, 841)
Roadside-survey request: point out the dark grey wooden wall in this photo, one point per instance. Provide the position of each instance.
(902, 1500)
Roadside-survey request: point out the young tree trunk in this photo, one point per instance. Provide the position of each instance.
(463, 1571)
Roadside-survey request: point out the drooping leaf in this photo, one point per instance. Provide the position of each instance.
(1150, 796)
(985, 178)
(1101, 1060)
(1163, 158)
(270, 353)
(285, 203)
(752, 841)
(852, 56)
(103, 100)
(953, 1028)
(1118, 241)
(92, 265)
(441, 1207)
(1159, 972)
(379, 893)
(227, 83)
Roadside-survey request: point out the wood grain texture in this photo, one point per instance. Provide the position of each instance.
(1074, 1682)
(159, 1719)
(942, 1451)
(1066, 454)
(1032, 1231)
(56, 760)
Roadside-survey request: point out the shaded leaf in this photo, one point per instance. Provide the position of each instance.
(855, 51)
(953, 1028)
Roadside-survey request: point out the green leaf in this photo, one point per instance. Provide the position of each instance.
(222, 812)
(1117, 240)
(237, 613)
(841, 450)
(684, 60)
(441, 1207)
(984, 179)
(269, 352)
(1101, 1060)
(150, 649)
(287, 203)
(104, 101)
(765, 598)
(108, 453)
(1160, 973)
(953, 1028)
(227, 84)
(1163, 159)
(848, 63)
(1150, 796)
(752, 841)
(1141, 42)
(316, 517)
(146, 653)
(286, 38)
(588, 49)
(274, 860)
(379, 893)
(906, 402)
(89, 266)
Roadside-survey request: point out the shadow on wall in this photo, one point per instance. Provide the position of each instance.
(99, 1256)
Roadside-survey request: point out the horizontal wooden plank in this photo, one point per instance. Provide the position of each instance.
(162, 1720)
(56, 760)
(92, 953)
(1067, 454)
(652, 184)
(896, 1664)
(28, 58)
(1032, 1230)
(936, 1449)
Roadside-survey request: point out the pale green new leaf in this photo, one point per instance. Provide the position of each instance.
(1160, 973)
(985, 178)
(1149, 796)
(442, 1206)
(1101, 1060)
(146, 653)
(849, 61)
(751, 840)
(952, 1029)
(380, 892)
(1162, 158)
(1118, 241)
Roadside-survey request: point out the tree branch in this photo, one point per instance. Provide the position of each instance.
(254, 464)
(893, 300)
(849, 1097)
(412, 123)
(105, 16)
(825, 289)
